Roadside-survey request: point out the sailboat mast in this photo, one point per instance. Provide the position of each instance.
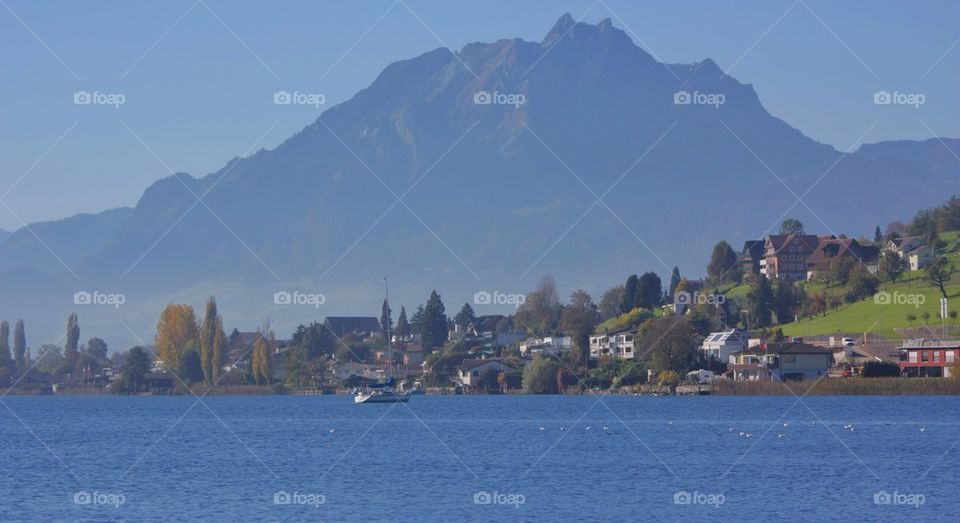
(386, 290)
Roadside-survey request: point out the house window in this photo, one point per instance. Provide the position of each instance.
(950, 356)
(913, 356)
(936, 355)
(925, 356)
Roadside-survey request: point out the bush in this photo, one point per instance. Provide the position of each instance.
(881, 369)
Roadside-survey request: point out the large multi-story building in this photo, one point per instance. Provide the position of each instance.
(785, 255)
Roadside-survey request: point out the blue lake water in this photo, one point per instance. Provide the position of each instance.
(480, 458)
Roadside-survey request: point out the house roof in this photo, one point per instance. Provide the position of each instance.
(487, 323)
(829, 248)
(341, 325)
(472, 364)
(752, 250)
(779, 241)
(794, 348)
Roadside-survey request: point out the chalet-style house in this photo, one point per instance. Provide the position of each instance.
(785, 256)
(750, 256)
(830, 249)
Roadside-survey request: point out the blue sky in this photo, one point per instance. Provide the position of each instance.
(198, 78)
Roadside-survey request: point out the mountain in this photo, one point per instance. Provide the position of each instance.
(494, 195)
(4, 234)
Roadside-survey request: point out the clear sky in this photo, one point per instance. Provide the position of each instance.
(198, 77)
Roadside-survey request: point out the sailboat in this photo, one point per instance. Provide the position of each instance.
(384, 392)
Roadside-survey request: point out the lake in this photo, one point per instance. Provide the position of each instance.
(480, 458)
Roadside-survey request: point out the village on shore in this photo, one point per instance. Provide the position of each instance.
(757, 323)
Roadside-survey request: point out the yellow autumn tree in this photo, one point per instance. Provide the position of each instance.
(177, 332)
(260, 360)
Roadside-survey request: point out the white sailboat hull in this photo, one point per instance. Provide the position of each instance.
(381, 396)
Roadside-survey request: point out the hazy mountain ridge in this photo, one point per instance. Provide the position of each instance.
(499, 199)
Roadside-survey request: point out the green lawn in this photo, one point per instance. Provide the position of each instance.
(910, 295)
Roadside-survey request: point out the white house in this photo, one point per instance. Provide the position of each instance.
(912, 250)
(550, 345)
(720, 345)
(471, 372)
(617, 344)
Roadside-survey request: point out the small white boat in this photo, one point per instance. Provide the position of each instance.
(381, 396)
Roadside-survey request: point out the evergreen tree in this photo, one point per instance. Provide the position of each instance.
(134, 367)
(630, 294)
(723, 264)
(465, 317)
(70, 352)
(434, 323)
(208, 332)
(674, 281)
(877, 236)
(416, 322)
(5, 359)
(649, 291)
(20, 347)
(191, 369)
(760, 302)
(403, 326)
(386, 319)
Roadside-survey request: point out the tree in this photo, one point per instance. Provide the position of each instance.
(416, 321)
(787, 300)
(630, 289)
(578, 320)
(136, 364)
(791, 226)
(862, 286)
(20, 346)
(434, 327)
(208, 332)
(386, 319)
(672, 343)
(877, 236)
(760, 302)
(191, 368)
(316, 340)
(71, 354)
(649, 291)
(723, 264)
(939, 273)
(674, 281)
(540, 312)
(403, 326)
(611, 303)
(892, 265)
(465, 317)
(177, 332)
(880, 369)
(219, 347)
(540, 375)
(260, 360)
(97, 348)
(6, 361)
